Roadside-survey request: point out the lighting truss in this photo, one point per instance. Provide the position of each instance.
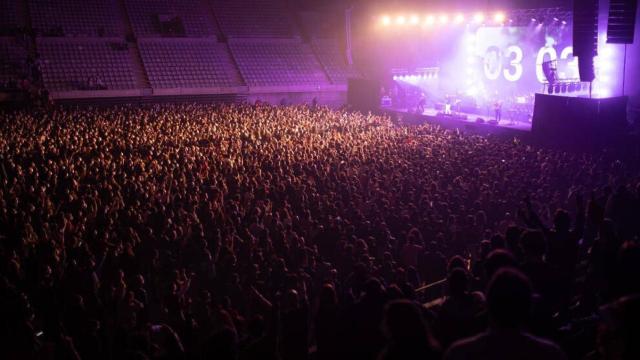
(547, 16)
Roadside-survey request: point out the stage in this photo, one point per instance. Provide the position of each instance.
(462, 119)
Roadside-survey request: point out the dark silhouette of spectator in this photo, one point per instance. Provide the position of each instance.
(457, 317)
(409, 337)
(294, 326)
(509, 303)
(618, 335)
(328, 324)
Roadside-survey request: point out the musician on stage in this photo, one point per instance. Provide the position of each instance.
(447, 105)
(497, 107)
(421, 104)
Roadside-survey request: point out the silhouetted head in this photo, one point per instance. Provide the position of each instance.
(328, 295)
(456, 262)
(509, 298)
(498, 259)
(403, 322)
(457, 281)
(561, 220)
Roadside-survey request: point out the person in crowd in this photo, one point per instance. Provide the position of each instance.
(458, 316)
(409, 337)
(509, 305)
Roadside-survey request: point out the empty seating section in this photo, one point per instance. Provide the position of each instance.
(8, 15)
(194, 15)
(253, 18)
(12, 60)
(73, 64)
(76, 17)
(82, 45)
(277, 63)
(187, 63)
(333, 60)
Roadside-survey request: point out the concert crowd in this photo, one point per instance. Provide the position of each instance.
(258, 232)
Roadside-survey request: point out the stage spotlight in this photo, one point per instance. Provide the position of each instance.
(414, 20)
(395, 77)
(555, 19)
(478, 18)
(499, 17)
(533, 20)
(430, 19)
(400, 20)
(459, 19)
(444, 19)
(564, 22)
(386, 20)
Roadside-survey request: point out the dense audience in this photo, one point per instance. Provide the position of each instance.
(257, 232)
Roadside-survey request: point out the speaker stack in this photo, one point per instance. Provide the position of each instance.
(621, 22)
(585, 36)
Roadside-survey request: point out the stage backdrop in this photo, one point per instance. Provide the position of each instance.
(505, 62)
(486, 62)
